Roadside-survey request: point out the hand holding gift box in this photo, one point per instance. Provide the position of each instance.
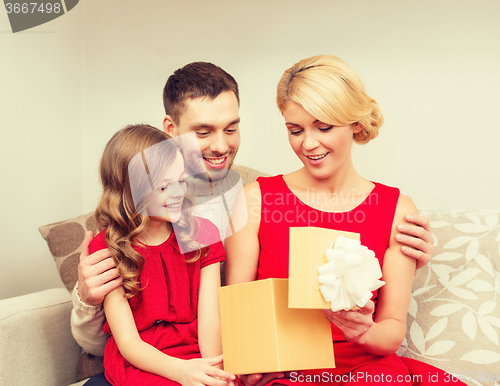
(276, 324)
(350, 276)
(354, 274)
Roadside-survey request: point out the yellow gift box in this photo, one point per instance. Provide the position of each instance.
(308, 247)
(261, 334)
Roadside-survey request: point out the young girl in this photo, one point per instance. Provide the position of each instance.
(164, 319)
(326, 108)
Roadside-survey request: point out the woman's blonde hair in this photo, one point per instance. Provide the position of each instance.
(123, 182)
(331, 91)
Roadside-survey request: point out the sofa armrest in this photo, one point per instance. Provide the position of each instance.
(36, 345)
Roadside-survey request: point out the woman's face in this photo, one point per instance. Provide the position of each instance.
(170, 192)
(323, 149)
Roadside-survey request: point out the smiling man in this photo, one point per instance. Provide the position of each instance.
(204, 99)
(215, 122)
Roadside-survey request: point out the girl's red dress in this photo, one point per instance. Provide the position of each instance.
(372, 218)
(165, 310)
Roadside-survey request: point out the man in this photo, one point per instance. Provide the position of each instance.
(203, 99)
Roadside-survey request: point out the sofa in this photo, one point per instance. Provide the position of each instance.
(453, 318)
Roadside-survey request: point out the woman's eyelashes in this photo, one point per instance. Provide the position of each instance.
(299, 131)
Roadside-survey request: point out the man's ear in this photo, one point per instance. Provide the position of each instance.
(169, 126)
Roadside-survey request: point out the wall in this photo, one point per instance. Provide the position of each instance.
(41, 145)
(69, 84)
(431, 65)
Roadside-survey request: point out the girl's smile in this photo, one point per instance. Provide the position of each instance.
(167, 204)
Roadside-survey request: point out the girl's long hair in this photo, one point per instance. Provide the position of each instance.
(124, 182)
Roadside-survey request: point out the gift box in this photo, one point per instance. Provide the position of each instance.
(261, 334)
(308, 247)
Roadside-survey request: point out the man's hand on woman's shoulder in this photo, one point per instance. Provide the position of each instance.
(417, 238)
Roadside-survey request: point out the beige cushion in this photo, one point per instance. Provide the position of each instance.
(248, 175)
(36, 341)
(454, 315)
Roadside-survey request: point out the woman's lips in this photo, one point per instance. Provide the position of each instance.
(316, 159)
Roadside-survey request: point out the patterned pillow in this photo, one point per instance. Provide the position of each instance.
(64, 240)
(454, 314)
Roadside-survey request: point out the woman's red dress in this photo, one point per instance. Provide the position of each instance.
(372, 218)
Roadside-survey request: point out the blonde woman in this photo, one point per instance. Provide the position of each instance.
(326, 108)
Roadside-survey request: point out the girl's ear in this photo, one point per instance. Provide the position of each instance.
(356, 128)
(169, 125)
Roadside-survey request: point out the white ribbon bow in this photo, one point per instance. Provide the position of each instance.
(350, 276)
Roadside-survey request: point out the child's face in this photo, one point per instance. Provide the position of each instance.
(167, 204)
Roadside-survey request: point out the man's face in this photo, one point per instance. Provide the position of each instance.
(215, 123)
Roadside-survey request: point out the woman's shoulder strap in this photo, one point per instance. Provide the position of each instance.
(385, 199)
(270, 183)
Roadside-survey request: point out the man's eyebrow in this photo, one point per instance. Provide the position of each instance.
(202, 125)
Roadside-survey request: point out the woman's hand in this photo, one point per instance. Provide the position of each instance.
(353, 324)
(202, 371)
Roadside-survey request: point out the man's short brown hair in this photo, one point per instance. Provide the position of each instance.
(194, 80)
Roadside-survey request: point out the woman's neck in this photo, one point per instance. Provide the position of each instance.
(156, 233)
(345, 179)
(338, 193)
